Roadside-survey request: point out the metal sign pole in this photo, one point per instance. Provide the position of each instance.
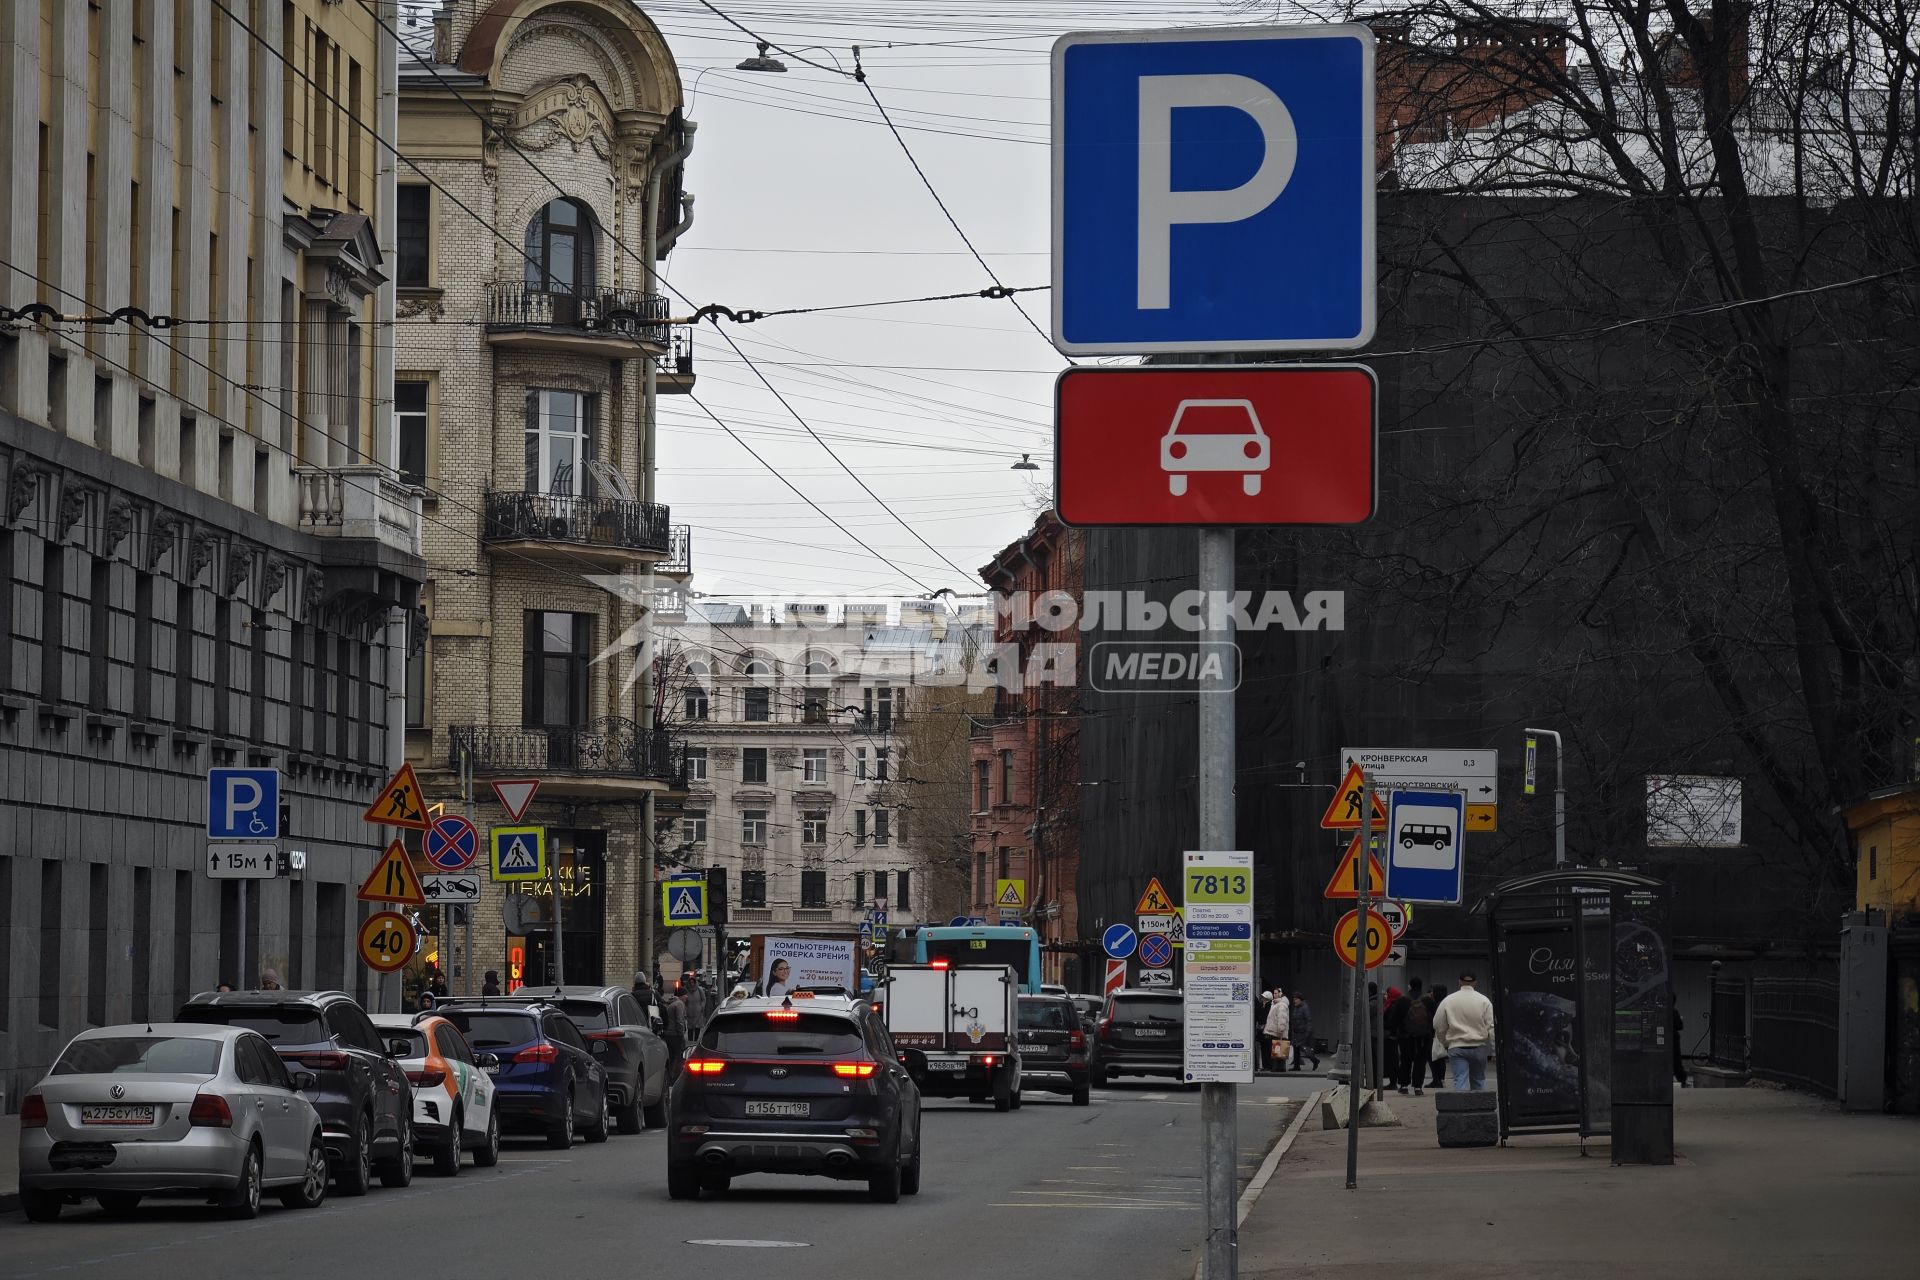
(1362, 1032)
(466, 939)
(1220, 1260)
(559, 943)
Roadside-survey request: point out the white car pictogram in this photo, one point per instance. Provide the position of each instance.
(1214, 435)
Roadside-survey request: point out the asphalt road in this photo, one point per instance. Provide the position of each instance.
(1108, 1190)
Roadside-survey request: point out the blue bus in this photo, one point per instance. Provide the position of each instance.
(1010, 944)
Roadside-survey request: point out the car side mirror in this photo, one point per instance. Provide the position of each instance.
(399, 1047)
(303, 1080)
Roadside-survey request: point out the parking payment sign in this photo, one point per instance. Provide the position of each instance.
(1238, 445)
(1213, 190)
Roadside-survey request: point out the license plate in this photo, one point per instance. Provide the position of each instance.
(1148, 1031)
(799, 1110)
(116, 1115)
(945, 1064)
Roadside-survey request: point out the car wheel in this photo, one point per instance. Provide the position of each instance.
(603, 1124)
(356, 1171)
(118, 1203)
(398, 1172)
(1099, 1077)
(487, 1154)
(682, 1182)
(910, 1176)
(243, 1201)
(311, 1191)
(446, 1158)
(1251, 484)
(627, 1118)
(41, 1206)
(1003, 1091)
(561, 1138)
(716, 1184)
(1082, 1096)
(883, 1185)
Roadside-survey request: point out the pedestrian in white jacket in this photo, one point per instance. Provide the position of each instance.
(1279, 1018)
(1464, 1024)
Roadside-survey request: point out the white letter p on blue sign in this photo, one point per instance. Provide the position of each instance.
(243, 804)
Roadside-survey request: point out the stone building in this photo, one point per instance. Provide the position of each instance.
(531, 349)
(205, 556)
(793, 715)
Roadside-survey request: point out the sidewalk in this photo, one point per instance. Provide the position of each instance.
(1765, 1183)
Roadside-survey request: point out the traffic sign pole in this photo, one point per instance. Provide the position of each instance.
(1362, 1033)
(1220, 1259)
(559, 938)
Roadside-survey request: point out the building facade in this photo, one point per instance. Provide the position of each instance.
(206, 557)
(794, 721)
(531, 350)
(1025, 761)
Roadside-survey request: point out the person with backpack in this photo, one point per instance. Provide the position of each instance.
(1415, 1029)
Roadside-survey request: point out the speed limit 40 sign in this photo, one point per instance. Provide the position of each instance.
(1379, 938)
(386, 941)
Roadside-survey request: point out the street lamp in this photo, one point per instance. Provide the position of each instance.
(761, 62)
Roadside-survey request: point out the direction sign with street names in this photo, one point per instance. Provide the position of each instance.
(1154, 901)
(515, 795)
(683, 901)
(1213, 190)
(1477, 773)
(451, 887)
(387, 941)
(518, 853)
(243, 804)
(1340, 884)
(1118, 941)
(242, 861)
(1426, 833)
(400, 803)
(393, 880)
(452, 844)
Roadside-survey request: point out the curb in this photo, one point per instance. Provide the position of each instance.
(1251, 1195)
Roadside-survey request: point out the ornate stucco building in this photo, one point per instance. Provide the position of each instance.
(532, 347)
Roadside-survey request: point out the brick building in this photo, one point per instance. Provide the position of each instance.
(205, 555)
(531, 350)
(1025, 764)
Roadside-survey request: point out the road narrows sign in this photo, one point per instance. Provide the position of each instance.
(1340, 884)
(393, 880)
(387, 941)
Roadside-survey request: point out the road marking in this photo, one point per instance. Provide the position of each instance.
(754, 1244)
(1082, 1204)
(1095, 1168)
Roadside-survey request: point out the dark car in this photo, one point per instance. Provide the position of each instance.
(623, 1039)
(1053, 1048)
(1141, 1033)
(546, 1080)
(783, 1086)
(361, 1093)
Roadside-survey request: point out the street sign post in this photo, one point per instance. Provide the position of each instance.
(242, 861)
(1156, 951)
(1373, 948)
(452, 843)
(1476, 773)
(1154, 901)
(1009, 895)
(1341, 885)
(1116, 978)
(1156, 977)
(1287, 445)
(1118, 942)
(1218, 984)
(515, 795)
(243, 804)
(1213, 190)
(1426, 832)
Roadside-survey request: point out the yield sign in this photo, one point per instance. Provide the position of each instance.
(393, 880)
(1343, 813)
(399, 803)
(1341, 885)
(516, 796)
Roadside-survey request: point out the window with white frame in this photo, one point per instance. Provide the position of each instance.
(693, 827)
(753, 826)
(813, 764)
(859, 764)
(696, 764)
(559, 432)
(753, 765)
(696, 704)
(880, 755)
(813, 826)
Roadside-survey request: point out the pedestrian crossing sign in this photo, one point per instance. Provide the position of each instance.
(519, 853)
(683, 902)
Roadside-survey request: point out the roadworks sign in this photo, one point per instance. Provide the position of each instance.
(400, 803)
(1343, 812)
(1154, 902)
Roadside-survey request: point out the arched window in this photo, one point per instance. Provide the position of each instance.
(756, 666)
(560, 248)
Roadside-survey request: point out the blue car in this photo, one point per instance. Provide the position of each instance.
(546, 1080)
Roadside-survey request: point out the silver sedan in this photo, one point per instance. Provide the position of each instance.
(170, 1109)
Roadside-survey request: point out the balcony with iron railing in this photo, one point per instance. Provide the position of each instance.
(614, 532)
(613, 323)
(610, 756)
(679, 561)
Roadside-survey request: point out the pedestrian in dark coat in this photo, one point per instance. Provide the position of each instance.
(1300, 1031)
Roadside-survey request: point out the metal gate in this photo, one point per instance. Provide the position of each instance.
(1796, 1032)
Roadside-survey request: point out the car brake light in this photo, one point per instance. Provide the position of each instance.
(320, 1060)
(987, 1061)
(33, 1112)
(784, 1015)
(605, 1035)
(1106, 1025)
(427, 1076)
(537, 1053)
(706, 1066)
(860, 1069)
(211, 1109)
(1076, 1039)
(941, 964)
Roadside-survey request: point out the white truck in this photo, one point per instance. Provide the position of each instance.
(956, 1029)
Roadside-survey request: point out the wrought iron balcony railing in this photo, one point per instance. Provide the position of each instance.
(613, 313)
(610, 747)
(560, 517)
(680, 558)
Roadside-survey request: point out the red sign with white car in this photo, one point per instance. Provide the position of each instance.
(1173, 445)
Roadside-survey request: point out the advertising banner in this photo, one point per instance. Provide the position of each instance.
(1540, 1043)
(790, 963)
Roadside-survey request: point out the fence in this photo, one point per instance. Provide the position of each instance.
(1779, 1027)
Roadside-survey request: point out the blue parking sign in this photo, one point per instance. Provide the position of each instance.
(1213, 190)
(243, 804)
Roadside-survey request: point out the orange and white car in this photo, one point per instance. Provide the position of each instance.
(453, 1094)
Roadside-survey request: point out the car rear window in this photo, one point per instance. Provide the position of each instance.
(588, 1015)
(140, 1055)
(493, 1030)
(1045, 1015)
(755, 1035)
(289, 1026)
(1146, 1009)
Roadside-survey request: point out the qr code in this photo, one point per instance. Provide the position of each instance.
(1242, 990)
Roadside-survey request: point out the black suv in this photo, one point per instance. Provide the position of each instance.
(1141, 1033)
(546, 1079)
(623, 1040)
(360, 1091)
(1053, 1048)
(810, 1086)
